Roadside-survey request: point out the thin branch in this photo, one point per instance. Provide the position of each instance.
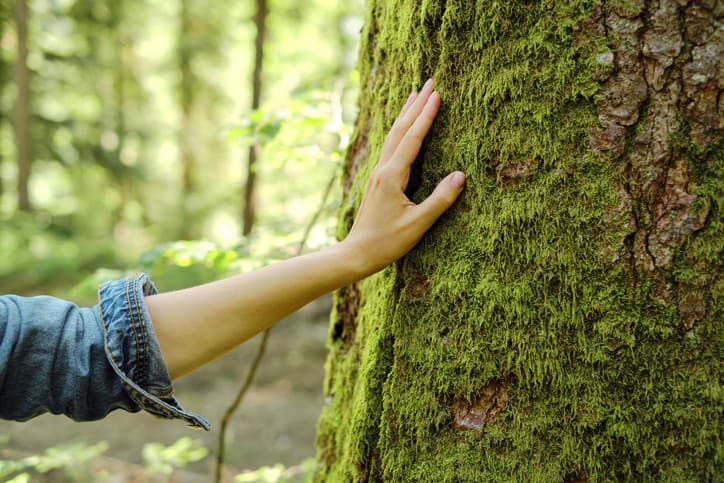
(262, 345)
(234, 405)
(249, 213)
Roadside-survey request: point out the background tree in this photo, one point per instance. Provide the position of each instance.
(202, 36)
(563, 321)
(22, 106)
(108, 195)
(186, 48)
(4, 81)
(249, 212)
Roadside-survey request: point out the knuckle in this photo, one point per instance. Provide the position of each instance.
(379, 176)
(446, 196)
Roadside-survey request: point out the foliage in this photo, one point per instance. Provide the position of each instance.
(185, 263)
(39, 252)
(182, 264)
(71, 459)
(279, 474)
(305, 117)
(72, 462)
(106, 140)
(160, 459)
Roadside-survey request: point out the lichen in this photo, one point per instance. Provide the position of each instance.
(562, 321)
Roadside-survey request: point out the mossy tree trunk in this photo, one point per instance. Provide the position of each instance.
(563, 321)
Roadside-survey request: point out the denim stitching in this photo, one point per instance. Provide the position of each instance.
(133, 325)
(147, 401)
(141, 281)
(160, 408)
(156, 407)
(143, 380)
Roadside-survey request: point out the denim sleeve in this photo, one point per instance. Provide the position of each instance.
(85, 362)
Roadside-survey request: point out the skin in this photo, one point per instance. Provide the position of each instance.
(198, 324)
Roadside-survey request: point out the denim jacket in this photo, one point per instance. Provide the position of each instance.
(85, 362)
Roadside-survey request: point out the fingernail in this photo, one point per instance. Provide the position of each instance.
(427, 84)
(457, 179)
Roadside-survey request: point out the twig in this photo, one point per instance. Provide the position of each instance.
(262, 345)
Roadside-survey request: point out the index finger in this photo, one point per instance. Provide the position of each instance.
(410, 144)
(402, 124)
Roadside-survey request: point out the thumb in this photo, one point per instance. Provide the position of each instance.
(445, 194)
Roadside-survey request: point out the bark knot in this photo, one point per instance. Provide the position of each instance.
(419, 285)
(692, 306)
(482, 412)
(512, 174)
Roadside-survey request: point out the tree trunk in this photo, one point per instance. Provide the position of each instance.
(22, 105)
(186, 47)
(563, 321)
(4, 79)
(250, 186)
(122, 47)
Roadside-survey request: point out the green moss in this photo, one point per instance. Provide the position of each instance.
(524, 281)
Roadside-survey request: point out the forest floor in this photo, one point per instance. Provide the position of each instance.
(276, 422)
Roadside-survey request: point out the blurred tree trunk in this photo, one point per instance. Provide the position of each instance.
(563, 321)
(4, 20)
(122, 48)
(22, 105)
(188, 163)
(249, 213)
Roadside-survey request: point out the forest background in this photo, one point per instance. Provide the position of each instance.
(126, 129)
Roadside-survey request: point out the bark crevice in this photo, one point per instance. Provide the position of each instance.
(344, 328)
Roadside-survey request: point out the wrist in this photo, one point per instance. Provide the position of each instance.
(353, 260)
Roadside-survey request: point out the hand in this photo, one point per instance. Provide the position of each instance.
(388, 224)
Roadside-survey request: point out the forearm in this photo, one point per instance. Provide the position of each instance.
(197, 324)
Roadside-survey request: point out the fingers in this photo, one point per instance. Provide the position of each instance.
(413, 108)
(410, 144)
(444, 195)
(409, 102)
(404, 121)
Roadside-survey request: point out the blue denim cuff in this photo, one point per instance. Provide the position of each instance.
(133, 351)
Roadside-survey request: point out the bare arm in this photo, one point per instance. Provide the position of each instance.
(200, 323)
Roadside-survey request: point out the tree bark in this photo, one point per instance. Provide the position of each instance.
(562, 322)
(22, 105)
(249, 213)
